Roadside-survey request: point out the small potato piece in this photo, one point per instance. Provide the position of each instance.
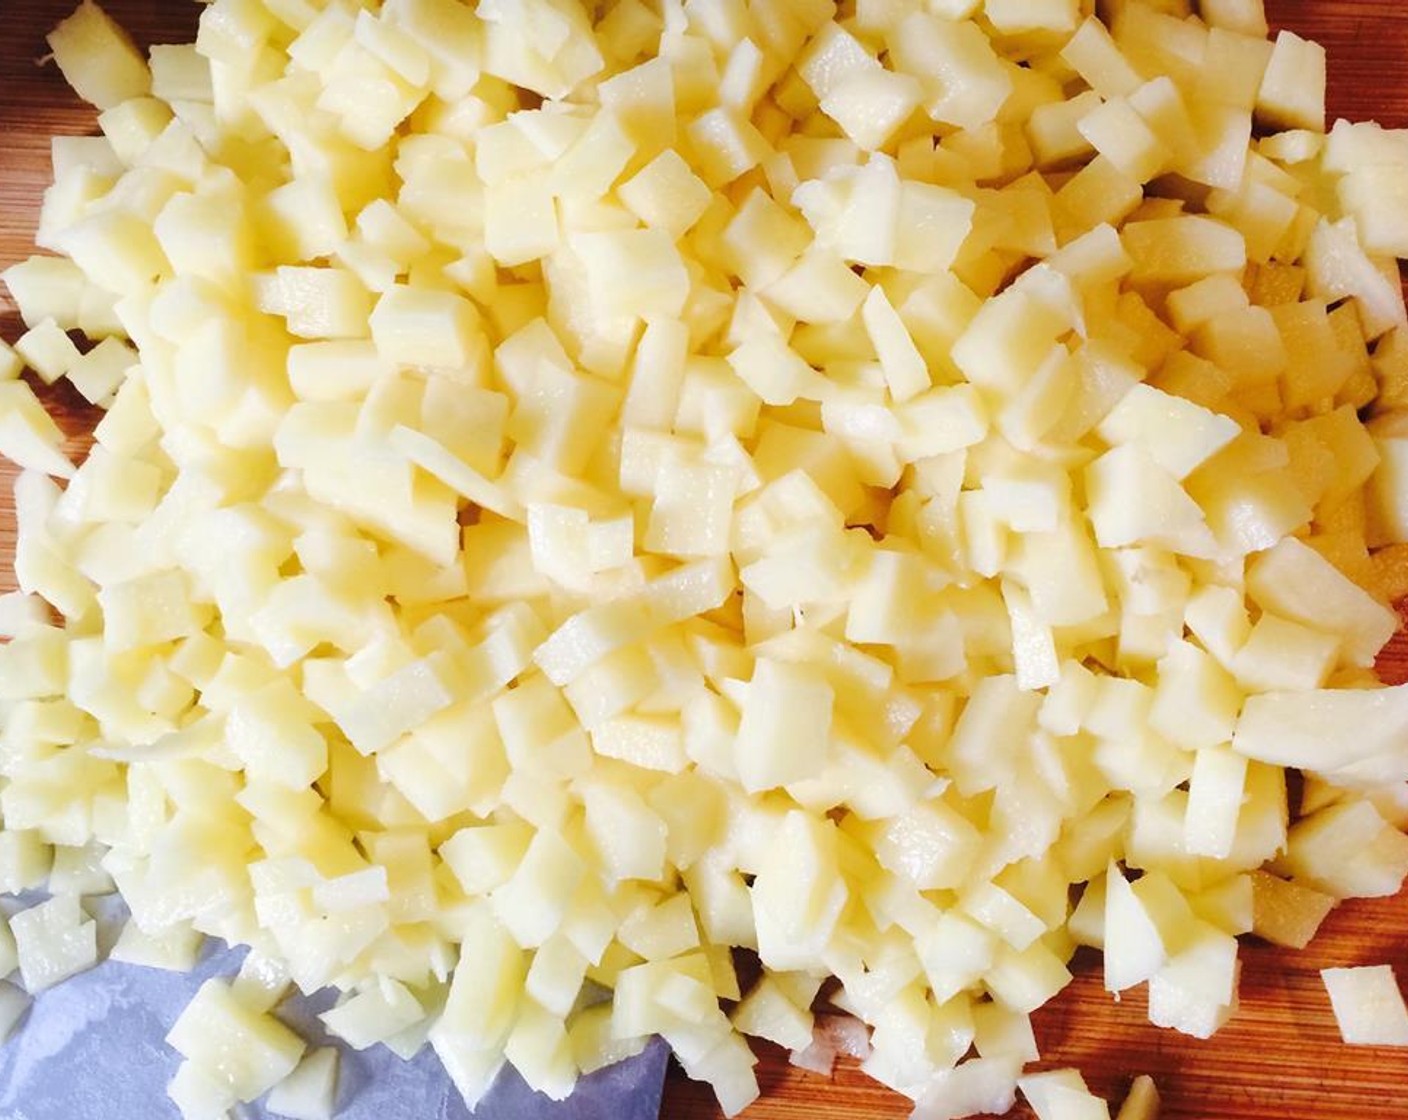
(1368, 1006)
(98, 58)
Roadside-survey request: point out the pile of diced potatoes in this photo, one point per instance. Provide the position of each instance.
(586, 488)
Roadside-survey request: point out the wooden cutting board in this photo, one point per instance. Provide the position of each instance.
(1280, 1058)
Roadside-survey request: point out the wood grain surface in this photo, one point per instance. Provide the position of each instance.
(1280, 1058)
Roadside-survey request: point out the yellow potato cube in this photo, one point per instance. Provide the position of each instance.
(632, 273)
(28, 437)
(131, 126)
(421, 327)
(1292, 93)
(665, 194)
(46, 288)
(974, 84)
(309, 1092)
(98, 58)
(1093, 54)
(871, 105)
(53, 941)
(47, 350)
(785, 731)
(520, 220)
(1120, 134)
(316, 302)
(247, 1052)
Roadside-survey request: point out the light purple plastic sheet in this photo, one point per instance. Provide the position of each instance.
(92, 1048)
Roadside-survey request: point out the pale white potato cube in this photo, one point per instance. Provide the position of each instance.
(974, 82)
(1195, 992)
(1135, 945)
(1132, 500)
(53, 941)
(1016, 17)
(310, 1091)
(1368, 1005)
(421, 327)
(797, 897)
(1183, 249)
(532, 904)
(174, 949)
(666, 194)
(555, 978)
(374, 1014)
(785, 730)
(974, 1087)
(99, 373)
(767, 1012)
(199, 1094)
(1179, 435)
(316, 302)
(627, 835)
(1062, 1095)
(46, 288)
(632, 272)
(77, 870)
(25, 858)
(1215, 795)
(905, 371)
(872, 104)
(1028, 979)
(1121, 135)
(29, 438)
(520, 220)
(1000, 1032)
(1292, 93)
(244, 1051)
(47, 350)
(304, 219)
(1294, 581)
(1093, 54)
(1348, 850)
(149, 610)
(98, 58)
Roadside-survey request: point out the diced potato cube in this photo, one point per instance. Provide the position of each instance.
(872, 104)
(426, 328)
(1121, 135)
(98, 58)
(1092, 53)
(175, 948)
(627, 835)
(633, 272)
(785, 730)
(1292, 93)
(47, 350)
(53, 941)
(310, 1091)
(374, 1014)
(1368, 1006)
(28, 436)
(665, 194)
(317, 302)
(1287, 913)
(247, 1052)
(965, 81)
(1182, 250)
